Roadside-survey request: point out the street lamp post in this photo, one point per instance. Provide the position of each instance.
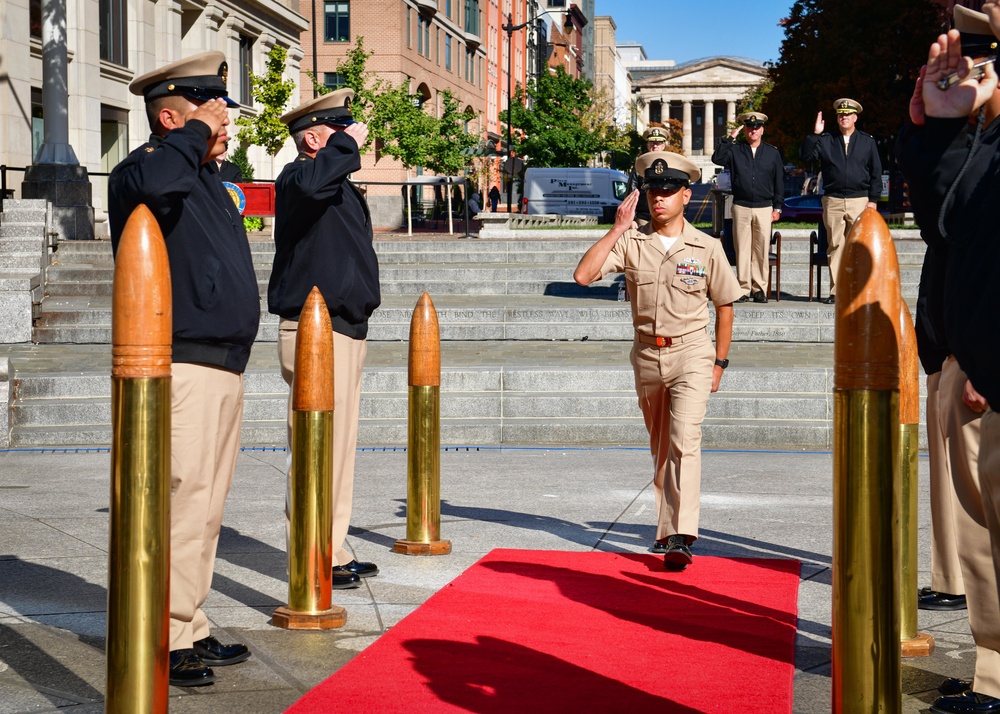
(509, 28)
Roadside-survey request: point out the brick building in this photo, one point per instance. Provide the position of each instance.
(455, 45)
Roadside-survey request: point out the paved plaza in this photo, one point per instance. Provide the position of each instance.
(53, 565)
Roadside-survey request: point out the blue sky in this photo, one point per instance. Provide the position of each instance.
(684, 30)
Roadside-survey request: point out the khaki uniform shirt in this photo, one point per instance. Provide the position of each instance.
(670, 291)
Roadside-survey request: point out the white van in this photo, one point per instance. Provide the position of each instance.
(573, 192)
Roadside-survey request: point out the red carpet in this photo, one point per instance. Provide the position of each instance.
(550, 631)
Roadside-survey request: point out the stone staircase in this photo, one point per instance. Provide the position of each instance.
(24, 232)
(528, 356)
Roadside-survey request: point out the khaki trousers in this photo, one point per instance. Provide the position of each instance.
(751, 237)
(673, 385)
(946, 571)
(348, 364)
(206, 411)
(839, 215)
(962, 436)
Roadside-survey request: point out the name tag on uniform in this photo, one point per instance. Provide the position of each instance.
(691, 266)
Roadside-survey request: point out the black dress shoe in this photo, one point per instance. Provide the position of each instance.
(829, 300)
(940, 601)
(966, 703)
(678, 555)
(213, 652)
(187, 669)
(759, 296)
(954, 685)
(743, 298)
(345, 579)
(658, 548)
(362, 570)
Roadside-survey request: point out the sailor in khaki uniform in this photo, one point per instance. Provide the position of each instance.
(672, 271)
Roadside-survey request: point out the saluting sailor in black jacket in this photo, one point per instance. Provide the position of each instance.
(323, 237)
(852, 177)
(216, 310)
(758, 176)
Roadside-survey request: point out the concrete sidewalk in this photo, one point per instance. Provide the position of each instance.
(53, 561)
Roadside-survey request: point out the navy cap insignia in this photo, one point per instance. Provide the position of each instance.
(224, 73)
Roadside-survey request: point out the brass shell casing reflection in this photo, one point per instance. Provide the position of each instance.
(310, 511)
(909, 437)
(139, 546)
(866, 663)
(423, 465)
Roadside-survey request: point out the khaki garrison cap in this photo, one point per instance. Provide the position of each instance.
(655, 133)
(200, 77)
(752, 118)
(847, 106)
(977, 37)
(333, 108)
(665, 169)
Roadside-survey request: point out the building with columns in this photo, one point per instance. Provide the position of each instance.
(701, 94)
(111, 42)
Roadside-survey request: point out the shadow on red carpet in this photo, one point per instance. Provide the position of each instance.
(551, 631)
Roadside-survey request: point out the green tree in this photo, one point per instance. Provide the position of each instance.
(869, 51)
(553, 132)
(273, 94)
(238, 157)
(451, 137)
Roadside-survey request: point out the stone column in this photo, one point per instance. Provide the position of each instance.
(56, 174)
(686, 122)
(730, 112)
(709, 126)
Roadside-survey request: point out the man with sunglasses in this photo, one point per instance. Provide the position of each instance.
(672, 270)
(758, 174)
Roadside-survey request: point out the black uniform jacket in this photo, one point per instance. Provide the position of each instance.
(758, 181)
(642, 207)
(851, 174)
(323, 237)
(216, 302)
(933, 158)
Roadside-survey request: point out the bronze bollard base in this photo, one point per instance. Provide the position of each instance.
(413, 547)
(293, 620)
(920, 646)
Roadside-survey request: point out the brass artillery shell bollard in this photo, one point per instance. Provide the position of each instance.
(423, 454)
(914, 643)
(310, 487)
(139, 544)
(866, 660)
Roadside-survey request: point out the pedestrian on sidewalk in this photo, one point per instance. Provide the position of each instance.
(323, 237)
(672, 271)
(758, 176)
(216, 311)
(494, 196)
(852, 177)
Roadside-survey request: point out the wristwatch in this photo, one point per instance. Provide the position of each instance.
(722, 363)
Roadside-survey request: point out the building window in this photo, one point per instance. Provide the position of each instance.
(447, 8)
(338, 22)
(114, 31)
(437, 45)
(472, 17)
(37, 121)
(447, 51)
(424, 37)
(409, 30)
(333, 80)
(654, 111)
(35, 18)
(470, 66)
(557, 3)
(246, 67)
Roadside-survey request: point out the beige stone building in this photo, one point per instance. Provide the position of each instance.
(109, 43)
(701, 94)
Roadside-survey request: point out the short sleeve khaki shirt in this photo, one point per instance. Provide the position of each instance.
(669, 291)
